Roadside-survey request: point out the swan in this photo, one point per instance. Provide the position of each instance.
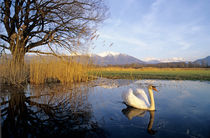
(138, 99)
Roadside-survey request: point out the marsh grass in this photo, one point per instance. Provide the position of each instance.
(42, 70)
(153, 73)
(57, 70)
(11, 72)
(51, 69)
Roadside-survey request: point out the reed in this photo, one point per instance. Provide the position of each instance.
(42, 70)
(57, 70)
(11, 72)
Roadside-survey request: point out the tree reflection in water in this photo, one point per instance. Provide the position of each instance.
(47, 111)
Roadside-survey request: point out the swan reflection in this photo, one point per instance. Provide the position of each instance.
(131, 112)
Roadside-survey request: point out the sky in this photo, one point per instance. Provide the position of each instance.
(156, 29)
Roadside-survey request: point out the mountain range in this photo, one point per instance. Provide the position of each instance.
(203, 61)
(112, 58)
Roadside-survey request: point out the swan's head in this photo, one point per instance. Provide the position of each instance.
(153, 88)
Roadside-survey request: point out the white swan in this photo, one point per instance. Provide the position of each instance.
(139, 99)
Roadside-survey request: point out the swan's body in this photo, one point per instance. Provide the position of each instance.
(138, 99)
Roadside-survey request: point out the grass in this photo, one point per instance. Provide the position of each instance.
(57, 70)
(153, 73)
(11, 73)
(41, 70)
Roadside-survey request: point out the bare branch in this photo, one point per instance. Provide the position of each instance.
(43, 53)
(4, 47)
(3, 37)
(59, 22)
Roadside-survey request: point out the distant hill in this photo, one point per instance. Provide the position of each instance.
(203, 61)
(114, 59)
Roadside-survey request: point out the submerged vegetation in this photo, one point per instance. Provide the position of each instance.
(153, 73)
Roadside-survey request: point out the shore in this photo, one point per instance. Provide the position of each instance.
(153, 73)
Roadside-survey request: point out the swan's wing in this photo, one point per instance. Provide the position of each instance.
(140, 93)
(134, 101)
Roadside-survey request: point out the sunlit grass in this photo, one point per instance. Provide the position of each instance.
(41, 70)
(12, 73)
(47, 70)
(153, 73)
(59, 70)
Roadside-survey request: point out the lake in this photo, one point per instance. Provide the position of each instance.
(96, 109)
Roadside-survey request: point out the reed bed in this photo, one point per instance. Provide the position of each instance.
(59, 70)
(43, 70)
(12, 73)
(47, 70)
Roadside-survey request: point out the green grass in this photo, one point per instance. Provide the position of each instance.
(154, 73)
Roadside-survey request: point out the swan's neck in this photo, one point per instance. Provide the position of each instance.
(152, 104)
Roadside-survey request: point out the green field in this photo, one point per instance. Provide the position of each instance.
(154, 73)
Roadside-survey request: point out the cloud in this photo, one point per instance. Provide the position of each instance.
(129, 2)
(152, 15)
(184, 45)
(124, 39)
(159, 28)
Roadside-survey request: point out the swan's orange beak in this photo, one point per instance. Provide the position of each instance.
(154, 88)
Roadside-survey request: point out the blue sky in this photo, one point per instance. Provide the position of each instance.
(156, 29)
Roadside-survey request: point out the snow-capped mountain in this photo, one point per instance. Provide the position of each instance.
(156, 61)
(108, 53)
(153, 62)
(112, 58)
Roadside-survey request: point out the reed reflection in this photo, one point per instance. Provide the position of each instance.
(131, 112)
(46, 111)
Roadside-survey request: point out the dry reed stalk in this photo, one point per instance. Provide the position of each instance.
(57, 70)
(11, 72)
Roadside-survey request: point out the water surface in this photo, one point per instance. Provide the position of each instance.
(96, 109)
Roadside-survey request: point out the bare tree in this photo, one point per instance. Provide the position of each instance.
(28, 24)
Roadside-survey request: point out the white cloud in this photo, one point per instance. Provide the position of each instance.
(184, 45)
(196, 28)
(162, 29)
(150, 59)
(129, 40)
(151, 16)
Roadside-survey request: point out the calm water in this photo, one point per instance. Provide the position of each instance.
(96, 109)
